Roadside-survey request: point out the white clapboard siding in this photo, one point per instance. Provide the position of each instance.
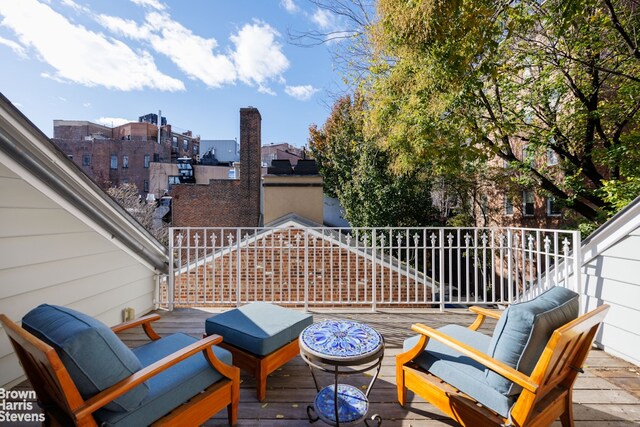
(613, 277)
(48, 255)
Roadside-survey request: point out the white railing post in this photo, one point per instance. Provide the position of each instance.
(441, 267)
(172, 276)
(374, 293)
(509, 272)
(577, 270)
(238, 266)
(306, 270)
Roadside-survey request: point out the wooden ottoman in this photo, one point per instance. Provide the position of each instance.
(262, 337)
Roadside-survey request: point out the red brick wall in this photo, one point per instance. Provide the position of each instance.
(100, 151)
(226, 203)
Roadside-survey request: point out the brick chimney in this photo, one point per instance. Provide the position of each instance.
(250, 161)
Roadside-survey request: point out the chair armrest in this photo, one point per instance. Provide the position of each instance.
(489, 362)
(99, 400)
(145, 321)
(482, 314)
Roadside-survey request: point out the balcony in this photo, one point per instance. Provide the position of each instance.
(312, 267)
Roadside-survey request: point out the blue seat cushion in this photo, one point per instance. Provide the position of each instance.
(91, 352)
(170, 388)
(458, 370)
(524, 330)
(259, 328)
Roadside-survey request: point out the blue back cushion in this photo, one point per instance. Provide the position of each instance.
(92, 353)
(524, 330)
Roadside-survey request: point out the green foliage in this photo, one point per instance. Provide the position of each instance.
(358, 172)
(619, 193)
(457, 82)
(334, 146)
(376, 197)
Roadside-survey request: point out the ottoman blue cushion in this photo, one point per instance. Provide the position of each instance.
(170, 388)
(92, 353)
(458, 370)
(524, 330)
(259, 328)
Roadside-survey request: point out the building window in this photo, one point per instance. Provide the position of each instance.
(114, 161)
(552, 157)
(156, 157)
(86, 160)
(508, 205)
(147, 160)
(125, 181)
(196, 149)
(527, 203)
(553, 207)
(125, 162)
(185, 144)
(527, 155)
(173, 179)
(145, 186)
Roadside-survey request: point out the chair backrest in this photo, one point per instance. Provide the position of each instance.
(524, 329)
(562, 359)
(49, 378)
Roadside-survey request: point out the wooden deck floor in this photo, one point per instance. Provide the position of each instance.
(607, 394)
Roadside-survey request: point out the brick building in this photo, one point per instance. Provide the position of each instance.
(523, 206)
(226, 202)
(281, 151)
(123, 154)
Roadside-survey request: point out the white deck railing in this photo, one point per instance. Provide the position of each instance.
(368, 267)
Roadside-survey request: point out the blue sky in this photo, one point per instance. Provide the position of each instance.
(199, 61)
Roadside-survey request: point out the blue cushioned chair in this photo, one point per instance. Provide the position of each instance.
(523, 375)
(84, 375)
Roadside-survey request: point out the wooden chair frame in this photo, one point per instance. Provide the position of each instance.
(546, 393)
(63, 405)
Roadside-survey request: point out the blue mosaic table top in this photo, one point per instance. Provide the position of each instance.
(352, 404)
(340, 340)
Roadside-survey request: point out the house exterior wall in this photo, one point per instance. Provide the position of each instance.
(230, 202)
(91, 147)
(52, 255)
(298, 194)
(159, 174)
(612, 278)
(100, 152)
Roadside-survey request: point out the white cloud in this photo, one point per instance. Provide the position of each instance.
(79, 55)
(324, 19)
(86, 105)
(154, 4)
(193, 54)
(15, 47)
(302, 93)
(112, 121)
(258, 56)
(289, 5)
(73, 5)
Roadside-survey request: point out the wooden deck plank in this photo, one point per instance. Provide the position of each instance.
(608, 394)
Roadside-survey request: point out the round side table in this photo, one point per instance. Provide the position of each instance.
(337, 346)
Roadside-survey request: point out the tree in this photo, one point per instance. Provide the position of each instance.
(128, 197)
(460, 82)
(335, 145)
(357, 172)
